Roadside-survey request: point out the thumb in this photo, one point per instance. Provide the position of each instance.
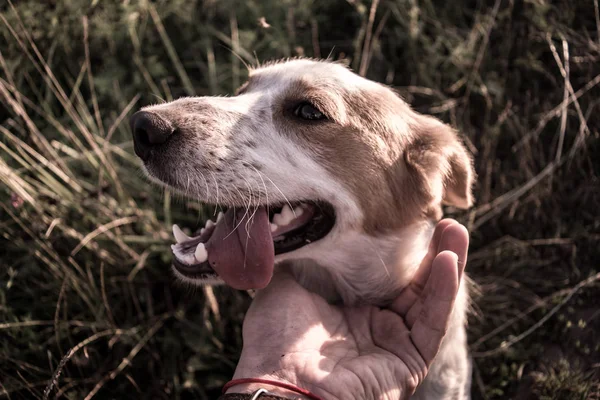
(438, 302)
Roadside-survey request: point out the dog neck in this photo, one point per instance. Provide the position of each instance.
(339, 274)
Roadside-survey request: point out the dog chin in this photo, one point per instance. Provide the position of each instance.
(187, 281)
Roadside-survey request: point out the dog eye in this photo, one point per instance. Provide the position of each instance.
(308, 111)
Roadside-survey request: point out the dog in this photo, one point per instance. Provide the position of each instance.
(324, 173)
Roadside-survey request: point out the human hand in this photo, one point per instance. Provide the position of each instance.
(336, 352)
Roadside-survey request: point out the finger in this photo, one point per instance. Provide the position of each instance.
(422, 273)
(411, 293)
(391, 334)
(437, 235)
(455, 238)
(440, 293)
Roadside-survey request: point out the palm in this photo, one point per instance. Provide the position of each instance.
(352, 362)
(342, 352)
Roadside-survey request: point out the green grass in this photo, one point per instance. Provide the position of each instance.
(84, 248)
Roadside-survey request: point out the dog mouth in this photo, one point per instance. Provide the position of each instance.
(240, 247)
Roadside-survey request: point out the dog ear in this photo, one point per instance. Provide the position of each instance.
(442, 162)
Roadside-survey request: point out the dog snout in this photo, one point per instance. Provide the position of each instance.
(150, 131)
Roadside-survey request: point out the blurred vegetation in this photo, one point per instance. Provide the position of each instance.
(84, 257)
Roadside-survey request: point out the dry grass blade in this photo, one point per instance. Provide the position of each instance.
(314, 31)
(118, 121)
(597, 15)
(17, 106)
(45, 163)
(487, 211)
(565, 75)
(102, 229)
(185, 79)
(508, 343)
(147, 77)
(563, 117)
(556, 111)
(109, 313)
(246, 56)
(490, 210)
(67, 133)
(90, 77)
(21, 324)
(484, 45)
(109, 332)
(56, 88)
(212, 68)
(367, 43)
(212, 302)
(520, 316)
(13, 181)
(55, 264)
(127, 360)
(139, 266)
(235, 41)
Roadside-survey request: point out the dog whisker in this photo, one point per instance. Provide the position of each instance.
(279, 190)
(217, 189)
(252, 202)
(265, 186)
(251, 219)
(376, 251)
(205, 183)
(248, 204)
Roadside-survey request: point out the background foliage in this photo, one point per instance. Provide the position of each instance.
(84, 238)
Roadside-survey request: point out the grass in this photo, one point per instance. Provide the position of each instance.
(88, 308)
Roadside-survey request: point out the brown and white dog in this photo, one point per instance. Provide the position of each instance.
(322, 172)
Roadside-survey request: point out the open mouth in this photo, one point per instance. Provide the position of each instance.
(240, 247)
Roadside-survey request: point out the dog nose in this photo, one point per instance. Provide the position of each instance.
(149, 131)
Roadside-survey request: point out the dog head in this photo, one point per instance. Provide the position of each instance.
(315, 165)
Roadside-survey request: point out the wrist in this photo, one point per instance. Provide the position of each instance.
(247, 388)
(281, 380)
(275, 386)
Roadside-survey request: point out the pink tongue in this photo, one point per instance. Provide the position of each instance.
(243, 258)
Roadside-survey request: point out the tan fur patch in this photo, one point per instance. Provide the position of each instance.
(443, 161)
(394, 174)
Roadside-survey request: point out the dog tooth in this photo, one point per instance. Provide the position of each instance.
(202, 231)
(277, 219)
(287, 214)
(274, 227)
(209, 223)
(201, 254)
(298, 211)
(180, 236)
(286, 210)
(219, 216)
